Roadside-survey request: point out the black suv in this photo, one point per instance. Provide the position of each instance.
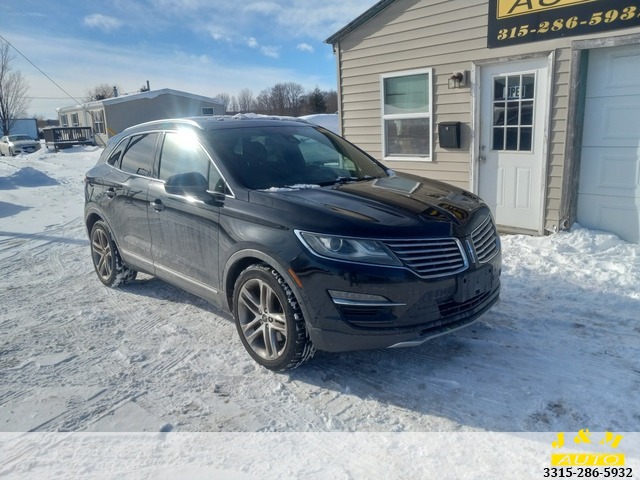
(307, 240)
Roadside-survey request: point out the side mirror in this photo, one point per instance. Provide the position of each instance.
(190, 183)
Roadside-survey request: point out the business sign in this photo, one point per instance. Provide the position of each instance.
(522, 21)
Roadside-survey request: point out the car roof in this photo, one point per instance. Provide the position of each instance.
(218, 122)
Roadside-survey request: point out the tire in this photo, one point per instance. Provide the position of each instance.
(106, 260)
(269, 319)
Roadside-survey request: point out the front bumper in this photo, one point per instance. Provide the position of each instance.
(25, 148)
(408, 310)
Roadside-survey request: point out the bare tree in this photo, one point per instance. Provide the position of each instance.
(13, 91)
(232, 107)
(246, 103)
(246, 100)
(281, 99)
(229, 101)
(266, 102)
(294, 99)
(101, 92)
(224, 98)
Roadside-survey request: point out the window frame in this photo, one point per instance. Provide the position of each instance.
(212, 166)
(202, 111)
(75, 119)
(123, 153)
(520, 102)
(64, 120)
(428, 71)
(98, 121)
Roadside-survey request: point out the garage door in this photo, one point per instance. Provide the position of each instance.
(609, 189)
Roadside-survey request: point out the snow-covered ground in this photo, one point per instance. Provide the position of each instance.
(558, 354)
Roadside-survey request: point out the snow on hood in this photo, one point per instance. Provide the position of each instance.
(290, 188)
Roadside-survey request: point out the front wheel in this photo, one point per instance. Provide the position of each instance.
(269, 319)
(106, 259)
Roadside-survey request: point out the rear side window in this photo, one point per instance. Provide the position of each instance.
(138, 156)
(114, 158)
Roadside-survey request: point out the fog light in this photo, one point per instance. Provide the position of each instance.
(364, 299)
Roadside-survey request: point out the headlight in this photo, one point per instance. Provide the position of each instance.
(348, 249)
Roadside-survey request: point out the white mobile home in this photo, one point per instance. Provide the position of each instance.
(110, 116)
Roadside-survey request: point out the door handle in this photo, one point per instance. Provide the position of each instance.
(482, 159)
(111, 192)
(157, 205)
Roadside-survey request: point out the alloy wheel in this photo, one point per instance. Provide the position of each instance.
(102, 254)
(262, 319)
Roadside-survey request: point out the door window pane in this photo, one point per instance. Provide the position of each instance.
(498, 114)
(512, 113)
(512, 139)
(499, 88)
(498, 139)
(513, 102)
(526, 113)
(513, 87)
(525, 138)
(182, 154)
(528, 84)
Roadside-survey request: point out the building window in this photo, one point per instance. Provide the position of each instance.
(208, 111)
(64, 122)
(406, 115)
(74, 120)
(98, 121)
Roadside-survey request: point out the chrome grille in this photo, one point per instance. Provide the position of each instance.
(485, 241)
(428, 258)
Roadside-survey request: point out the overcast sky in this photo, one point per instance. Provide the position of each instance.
(205, 47)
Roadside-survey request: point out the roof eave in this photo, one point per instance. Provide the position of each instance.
(362, 19)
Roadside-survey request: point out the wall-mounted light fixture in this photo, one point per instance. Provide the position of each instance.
(458, 80)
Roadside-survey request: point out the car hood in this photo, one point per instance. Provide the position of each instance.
(396, 204)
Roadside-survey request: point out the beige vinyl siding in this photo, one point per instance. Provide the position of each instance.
(410, 35)
(447, 36)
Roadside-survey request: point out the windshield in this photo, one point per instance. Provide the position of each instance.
(286, 156)
(18, 138)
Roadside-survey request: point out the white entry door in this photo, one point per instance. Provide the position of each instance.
(513, 134)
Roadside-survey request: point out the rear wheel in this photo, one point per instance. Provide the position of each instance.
(106, 260)
(269, 319)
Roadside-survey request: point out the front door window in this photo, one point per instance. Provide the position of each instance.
(513, 100)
